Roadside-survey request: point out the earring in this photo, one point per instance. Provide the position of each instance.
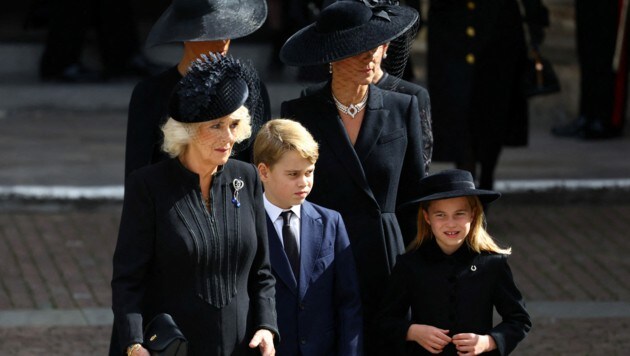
(384, 55)
(330, 68)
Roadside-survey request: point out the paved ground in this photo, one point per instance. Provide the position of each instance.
(566, 211)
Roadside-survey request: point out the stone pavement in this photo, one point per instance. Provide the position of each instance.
(565, 212)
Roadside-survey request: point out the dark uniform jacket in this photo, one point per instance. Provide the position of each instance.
(366, 183)
(148, 111)
(476, 56)
(454, 292)
(209, 270)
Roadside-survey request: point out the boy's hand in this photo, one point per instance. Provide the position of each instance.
(429, 337)
(473, 344)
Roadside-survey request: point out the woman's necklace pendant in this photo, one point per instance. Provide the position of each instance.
(351, 110)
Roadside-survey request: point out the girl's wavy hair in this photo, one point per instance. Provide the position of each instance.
(478, 239)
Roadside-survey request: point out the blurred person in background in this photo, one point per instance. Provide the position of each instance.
(477, 53)
(602, 47)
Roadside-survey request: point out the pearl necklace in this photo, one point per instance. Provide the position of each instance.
(351, 109)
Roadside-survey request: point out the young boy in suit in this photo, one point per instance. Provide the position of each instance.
(317, 292)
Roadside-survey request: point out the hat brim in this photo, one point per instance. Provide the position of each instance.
(485, 196)
(311, 47)
(231, 20)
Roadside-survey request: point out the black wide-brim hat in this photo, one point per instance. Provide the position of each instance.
(207, 20)
(345, 29)
(452, 183)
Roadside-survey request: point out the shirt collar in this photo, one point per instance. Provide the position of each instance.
(274, 211)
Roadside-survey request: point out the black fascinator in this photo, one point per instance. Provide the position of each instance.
(214, 87)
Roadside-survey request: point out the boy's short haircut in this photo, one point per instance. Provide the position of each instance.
(278, 136)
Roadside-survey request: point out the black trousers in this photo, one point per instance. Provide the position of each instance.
(603, 91)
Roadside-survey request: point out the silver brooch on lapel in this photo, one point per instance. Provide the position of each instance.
(473, 268)
(238, 185)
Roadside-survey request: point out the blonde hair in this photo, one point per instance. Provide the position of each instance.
(177, 135)
(279, 136)
(478, 238)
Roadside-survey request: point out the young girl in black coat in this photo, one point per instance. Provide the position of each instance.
(451, 278)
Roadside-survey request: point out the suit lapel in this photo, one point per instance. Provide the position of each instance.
(279, 261)
(375, 116)
(311, 238)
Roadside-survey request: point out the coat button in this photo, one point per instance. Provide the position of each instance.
(470, 31)
(471, 5)
(301, 306)
(303, 341)
(470, 58)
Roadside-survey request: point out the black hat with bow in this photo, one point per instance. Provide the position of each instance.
(345, 29)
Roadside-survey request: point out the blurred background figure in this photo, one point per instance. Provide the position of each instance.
(602, 45)
(117, 38)
(476, 55)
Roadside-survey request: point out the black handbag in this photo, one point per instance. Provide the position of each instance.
(539, 77)
(162, 337)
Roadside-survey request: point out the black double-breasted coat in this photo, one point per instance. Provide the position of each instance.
(476, 56)
(209, 269)
(454, 292)
(368, 181)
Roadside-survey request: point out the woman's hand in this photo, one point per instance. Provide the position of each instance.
(473, 344)
(429, 337)
(263, 339)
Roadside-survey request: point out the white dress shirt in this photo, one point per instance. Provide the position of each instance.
(274, 215)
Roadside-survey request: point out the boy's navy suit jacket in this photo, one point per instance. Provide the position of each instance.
(320, 315)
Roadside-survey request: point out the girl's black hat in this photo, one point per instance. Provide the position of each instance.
(452, 183)
(207, 20)
(345, 29)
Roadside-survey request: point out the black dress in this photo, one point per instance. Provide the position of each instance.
(210, 271)
(368, 181)
(454, 292)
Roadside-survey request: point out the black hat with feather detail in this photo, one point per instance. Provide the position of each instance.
(214, 87)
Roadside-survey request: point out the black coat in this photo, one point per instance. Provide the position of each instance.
(210, 271)
(406, 217)
(148, 111)
(367, 182)
(457, 293)
(476, 56)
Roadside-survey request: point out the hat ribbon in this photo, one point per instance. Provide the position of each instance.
(378, 9)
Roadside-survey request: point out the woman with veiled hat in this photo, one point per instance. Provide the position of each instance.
(200, 26)
(193, 239)
(370, 139)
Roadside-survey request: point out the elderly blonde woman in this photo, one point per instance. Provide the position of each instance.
(193, 239)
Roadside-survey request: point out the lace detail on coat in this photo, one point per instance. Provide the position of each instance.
(214, 250)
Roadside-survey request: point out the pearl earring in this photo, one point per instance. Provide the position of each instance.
(330, 68)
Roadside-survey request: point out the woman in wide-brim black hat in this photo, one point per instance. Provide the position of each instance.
(201, 26)
(371, 146)
(192, 241)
